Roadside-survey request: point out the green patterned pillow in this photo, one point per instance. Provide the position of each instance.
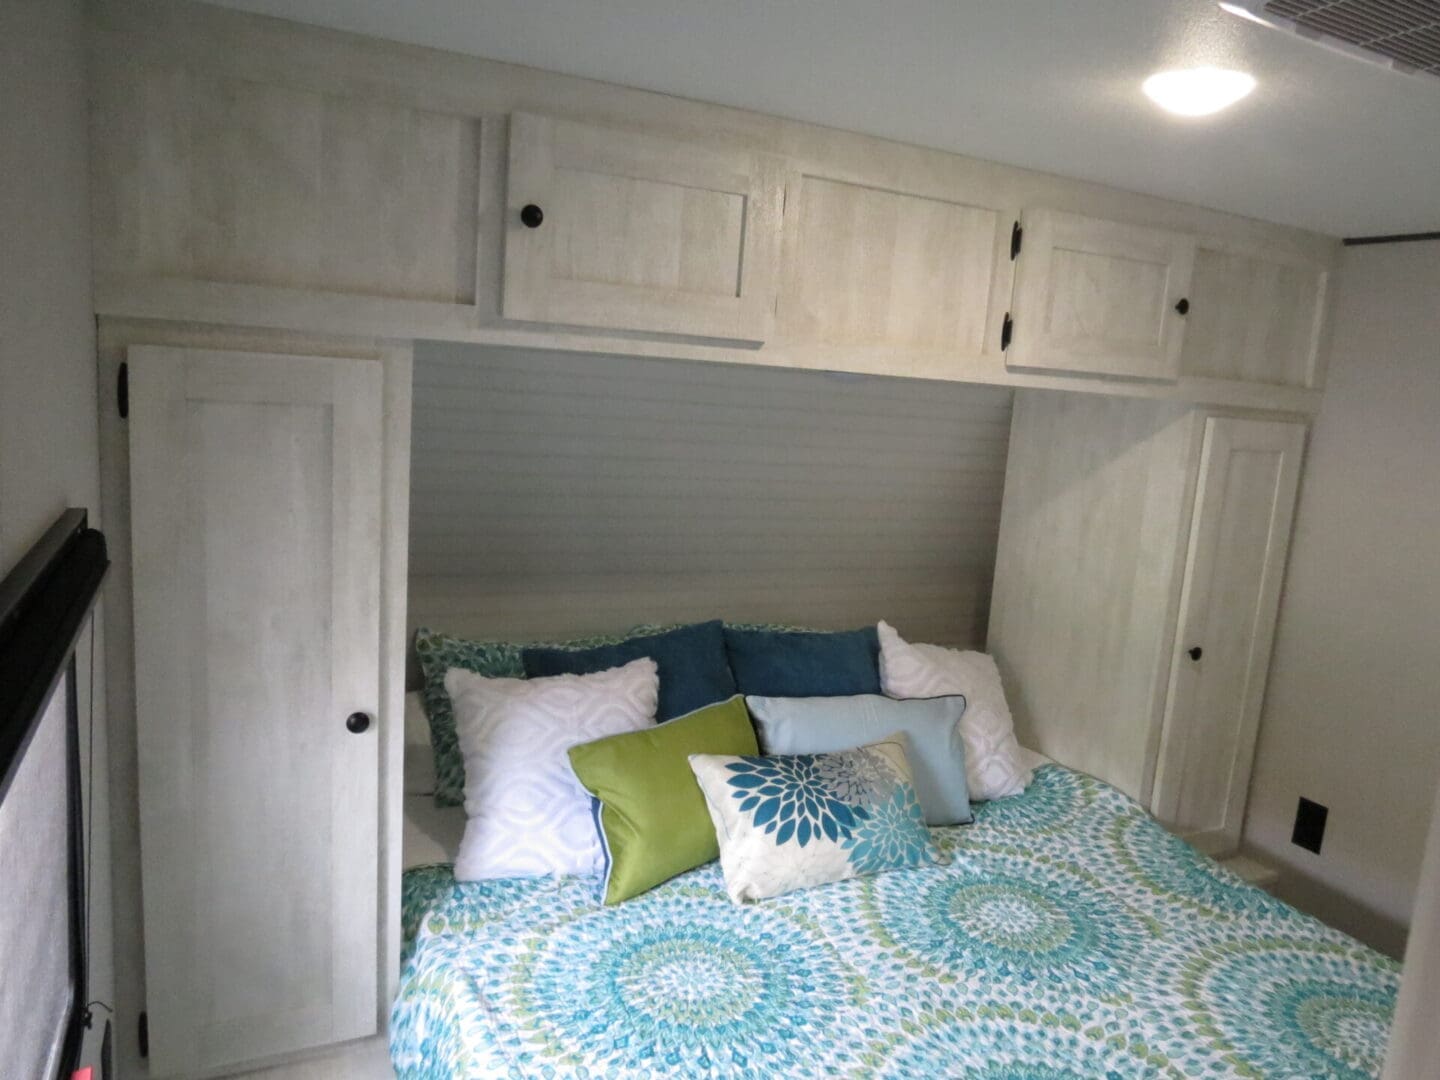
(438, 653)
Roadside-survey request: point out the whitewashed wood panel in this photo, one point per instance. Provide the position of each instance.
(1244, 503)
(1086, 589)
(639, 233)
(227, 180)
(1255, 316)
(555, 494)
(869, 267)
(1096, 297)
(255, 522)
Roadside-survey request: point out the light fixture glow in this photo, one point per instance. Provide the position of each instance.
(1197, 91)
(1244, 12)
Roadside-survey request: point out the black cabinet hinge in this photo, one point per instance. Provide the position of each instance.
(1007, 328)
(1017, 235)
(144, 1033)
(122, 390)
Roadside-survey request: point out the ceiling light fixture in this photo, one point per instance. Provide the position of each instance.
(1197, 91)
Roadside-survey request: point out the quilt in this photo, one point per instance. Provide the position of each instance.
(1069, 937)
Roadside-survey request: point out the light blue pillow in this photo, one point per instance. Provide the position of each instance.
(822, 725)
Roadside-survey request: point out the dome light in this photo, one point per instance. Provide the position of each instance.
(1197, 91)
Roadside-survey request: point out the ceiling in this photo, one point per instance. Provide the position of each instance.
(1326, 142)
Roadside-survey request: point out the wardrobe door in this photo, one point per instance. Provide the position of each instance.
(1095, 297)
(1239, 534)
(623, 231)
(255, 508)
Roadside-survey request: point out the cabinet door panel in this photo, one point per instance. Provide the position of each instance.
(639, 233)
(1245, 499)
(255, 507)
(1254, 318)
(877, 268)
(1097, 297)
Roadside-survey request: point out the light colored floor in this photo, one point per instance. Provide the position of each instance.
(369, 1060)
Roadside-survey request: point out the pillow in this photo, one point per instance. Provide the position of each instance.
(993, 765)
(437, 653)
(784, 823)
(419, 755)
(821, 725)
(525, 816)
(650, 814)
(693, 669)
(788, 663)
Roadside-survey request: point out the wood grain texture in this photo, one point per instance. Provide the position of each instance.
(1098, 297)
(412, 211)
(115, 338)
(1255, 317)
(1245, 500)
(1086, 584)
(255, 501)
(640, 233)
(555, 494)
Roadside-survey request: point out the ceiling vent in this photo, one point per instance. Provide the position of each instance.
(1401, 34)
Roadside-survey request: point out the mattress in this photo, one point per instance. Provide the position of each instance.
(1069, 936)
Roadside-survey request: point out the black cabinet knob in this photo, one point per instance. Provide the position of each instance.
(357, 722)
(531, 216)
(1196, 652)
(1182, 306)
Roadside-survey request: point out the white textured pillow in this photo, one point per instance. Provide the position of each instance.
(994, 766)
(526, 815)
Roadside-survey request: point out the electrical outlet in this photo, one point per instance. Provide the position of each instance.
(1309, 825)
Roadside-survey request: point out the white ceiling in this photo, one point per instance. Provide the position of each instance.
(1325, 142)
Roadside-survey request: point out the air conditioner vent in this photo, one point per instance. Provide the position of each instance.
(1405, 34)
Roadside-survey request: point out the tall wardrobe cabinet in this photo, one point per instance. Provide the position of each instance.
(1142, 547)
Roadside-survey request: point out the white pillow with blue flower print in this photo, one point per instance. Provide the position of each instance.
(790, 821)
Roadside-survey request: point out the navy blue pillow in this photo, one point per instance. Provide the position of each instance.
(778, 663)
(691, 659)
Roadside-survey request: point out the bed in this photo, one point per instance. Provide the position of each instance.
(1069, 936)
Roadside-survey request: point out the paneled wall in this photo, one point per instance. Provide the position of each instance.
(554, 494)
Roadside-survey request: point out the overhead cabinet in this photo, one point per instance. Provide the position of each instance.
(1141, 550)
(1095, 297)
(623, 231)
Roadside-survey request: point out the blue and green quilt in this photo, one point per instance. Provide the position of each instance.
(1069, 937)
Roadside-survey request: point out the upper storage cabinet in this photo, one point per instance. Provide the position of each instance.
(1255, 316)
(620, 231)
(894, 272)
(1095, 297)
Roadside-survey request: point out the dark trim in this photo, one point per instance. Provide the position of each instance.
(44, 603)
(1393, 238)
(78, 1020)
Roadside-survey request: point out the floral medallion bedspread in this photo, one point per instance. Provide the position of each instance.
(1069, 936)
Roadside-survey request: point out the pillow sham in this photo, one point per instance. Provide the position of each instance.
(525, 815)
(791, 663)
(785, 823)
(994, 766)
(932, 726)
(649, 812)
(693, 668)
(437, 653)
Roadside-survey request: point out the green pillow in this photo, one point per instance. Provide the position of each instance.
(652, 819)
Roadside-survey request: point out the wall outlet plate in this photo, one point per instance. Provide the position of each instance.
(1309, 830)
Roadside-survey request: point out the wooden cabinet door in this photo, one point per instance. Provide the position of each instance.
(1255, 316)
(639, 233)
(872, 271)
(255, 509)
(1239, 536)
(1096, 297)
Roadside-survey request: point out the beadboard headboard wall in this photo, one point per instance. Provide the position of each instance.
(556, 494)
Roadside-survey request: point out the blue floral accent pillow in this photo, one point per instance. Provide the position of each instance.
(791, 821)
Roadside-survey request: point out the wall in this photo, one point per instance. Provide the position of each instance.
(1350, 714)
(48, 440)
(555, 494)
